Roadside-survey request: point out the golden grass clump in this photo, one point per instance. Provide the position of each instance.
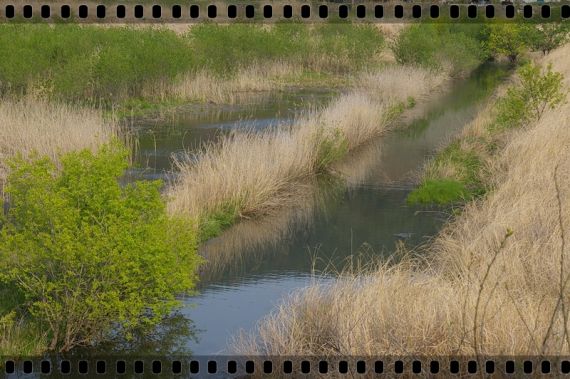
(32, 125)
(206, 87)
(255, 172)
(494, 282)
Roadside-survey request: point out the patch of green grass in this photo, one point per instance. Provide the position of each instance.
(441, 192)
(216, 222)
(330, 149)
(466, 163)
(133, 107)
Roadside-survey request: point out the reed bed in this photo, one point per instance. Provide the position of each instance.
(204, 86)
(494, 281)
(47, 128)
(252, 173)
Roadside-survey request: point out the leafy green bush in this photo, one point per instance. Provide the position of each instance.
(507, 40)
(332, 47)
(545, 37)
(527, 101)
(80, 62)
(84, 256)
(107, 64)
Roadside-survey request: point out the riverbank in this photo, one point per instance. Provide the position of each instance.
(492, 282)
(262, 169)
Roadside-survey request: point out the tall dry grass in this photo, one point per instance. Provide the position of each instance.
(255, 172)
(207, 87)
(33, 125)
(495, 280)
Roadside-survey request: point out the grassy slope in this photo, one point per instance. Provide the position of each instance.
(494, 282)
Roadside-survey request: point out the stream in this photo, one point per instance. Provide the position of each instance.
(357, 213)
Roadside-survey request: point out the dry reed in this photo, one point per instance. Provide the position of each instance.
(32, 125)
(206, 87)
(495, 280)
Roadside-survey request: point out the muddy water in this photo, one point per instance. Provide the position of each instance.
(345, 218)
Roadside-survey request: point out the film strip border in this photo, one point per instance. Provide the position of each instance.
(236, 367)
(482, 11)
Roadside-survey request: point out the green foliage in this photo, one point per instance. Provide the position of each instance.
(441, 192)
(536, 92)
(507, 40)
(547, 36)
(464, 183)
(75, 62)
(466, 165)
(81, 62)
(84, 256)
(437, 45)
(332, 47)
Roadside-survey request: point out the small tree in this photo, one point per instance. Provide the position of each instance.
(535, 93)
(507, 40)
(85, 257)
(547, 37)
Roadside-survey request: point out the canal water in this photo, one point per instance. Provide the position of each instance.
(358, 211)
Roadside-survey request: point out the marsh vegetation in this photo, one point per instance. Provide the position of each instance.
(80, 233)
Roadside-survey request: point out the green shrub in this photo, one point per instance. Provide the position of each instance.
(81, 62)
(527, 101)
(507, 40)
(441, 192)
(330, 47)
(545, 37)
(84, 256)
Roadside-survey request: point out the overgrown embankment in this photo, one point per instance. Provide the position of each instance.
(494, 280)
(462, 170)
